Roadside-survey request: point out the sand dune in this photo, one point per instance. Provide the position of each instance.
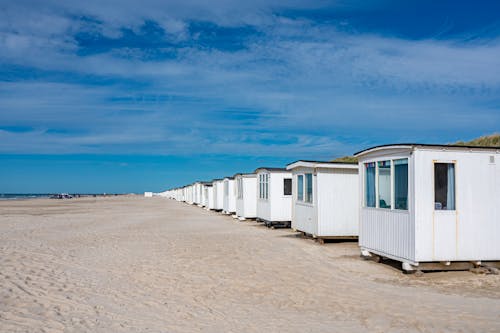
(133, 264)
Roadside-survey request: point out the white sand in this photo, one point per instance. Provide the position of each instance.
(133, 264)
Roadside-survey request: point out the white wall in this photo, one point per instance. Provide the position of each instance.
(304, 214)
(337, 198)
(278, 207)
(247, 206)
(229, 203)
(388, 232)
(218, 194)
(472, 231)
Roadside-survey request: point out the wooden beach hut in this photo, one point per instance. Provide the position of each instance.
(430, 206)
(246, 195)
(274, 196)
(325, 199)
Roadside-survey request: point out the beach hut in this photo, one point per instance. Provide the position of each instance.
(218, 189)
(229, 204)
(274, 196)
(208, 196)
(246, 195)
(190, 194)
(325, 199)
(197, 193)
(430, 206)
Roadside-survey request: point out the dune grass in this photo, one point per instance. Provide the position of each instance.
(492, 140)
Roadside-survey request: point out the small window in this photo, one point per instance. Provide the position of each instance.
(300, 187)
(492, 159)
(309, 185)
(444, 186)
(401, 184)
(226, 188)
(370, 184)
(264, 186)
(384, 184)
(239, 188)
(287, 186)
(261, 187)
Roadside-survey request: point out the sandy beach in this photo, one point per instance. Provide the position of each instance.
(134, 264)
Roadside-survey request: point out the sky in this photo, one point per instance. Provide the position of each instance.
(125, 96)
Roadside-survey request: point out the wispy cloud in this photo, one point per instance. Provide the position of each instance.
(169, 78)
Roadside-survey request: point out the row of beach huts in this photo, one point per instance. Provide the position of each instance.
(431, 207)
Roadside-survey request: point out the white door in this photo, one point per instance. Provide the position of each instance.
(445, 220)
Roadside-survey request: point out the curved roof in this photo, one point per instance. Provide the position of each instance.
(321, 164)
(416, 145)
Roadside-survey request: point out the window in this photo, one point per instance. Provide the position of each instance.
(370, 184)
(239, 188)
(300, 187)
(264, 186)
(287, 186)
(401, 184)
(384, 184)
(261, 186)
(309, 187)
(226, 188)
(444, 186)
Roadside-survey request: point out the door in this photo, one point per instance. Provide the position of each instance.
(445, 218)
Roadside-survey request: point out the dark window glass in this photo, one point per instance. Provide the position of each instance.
(300, 187)
(401, 184)
(287, 186)
(444, 186)
(370, 185)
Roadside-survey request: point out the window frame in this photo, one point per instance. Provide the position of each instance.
(264, 179)
(308, 197)
(434, 162)
(392, 184)
(284, 187)
(300, 196)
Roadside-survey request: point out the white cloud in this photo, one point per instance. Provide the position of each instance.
(308, 83)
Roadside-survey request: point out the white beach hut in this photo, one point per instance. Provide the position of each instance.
(197, 193)
(218, 189)
(430, 206)
(189, 194)
(208, 196)
(229, 204)
(325, 199)
(179, 194)
(274, 196)
(246, 195)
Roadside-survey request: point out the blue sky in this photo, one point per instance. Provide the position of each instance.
(119, 97)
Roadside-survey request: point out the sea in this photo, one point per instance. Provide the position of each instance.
(21, 196)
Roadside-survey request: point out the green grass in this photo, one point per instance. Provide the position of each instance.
(492, 140)
(346, 159)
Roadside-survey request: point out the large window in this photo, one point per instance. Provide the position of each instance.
(287, 186)
(444, 186)
(384, 184)
(385, 180)
(309, 187)
(401, 184)
(300, 187)
(370, 185)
